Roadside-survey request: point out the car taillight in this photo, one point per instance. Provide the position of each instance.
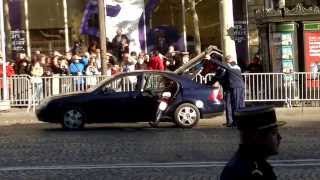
(215, 95)
(212, 96)
(220, 95)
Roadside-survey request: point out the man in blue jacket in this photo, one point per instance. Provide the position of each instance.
(77, 68)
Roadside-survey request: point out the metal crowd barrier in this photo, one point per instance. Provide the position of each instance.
(300, 87)
(19, 90)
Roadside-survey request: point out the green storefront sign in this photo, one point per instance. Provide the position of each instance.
(312, 26)
(285, 27)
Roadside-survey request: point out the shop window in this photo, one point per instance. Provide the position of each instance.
(309, 3)
(306, 3)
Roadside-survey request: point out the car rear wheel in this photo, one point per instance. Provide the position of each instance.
(73, 119)
(187, 115)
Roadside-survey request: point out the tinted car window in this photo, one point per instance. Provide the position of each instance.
(123, 84)
(153, 82)
(157, 83)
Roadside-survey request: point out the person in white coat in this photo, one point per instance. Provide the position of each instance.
(91, 72)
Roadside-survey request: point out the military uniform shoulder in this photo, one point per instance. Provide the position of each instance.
(243, 169)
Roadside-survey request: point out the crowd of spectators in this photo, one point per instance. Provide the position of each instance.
(87, 61)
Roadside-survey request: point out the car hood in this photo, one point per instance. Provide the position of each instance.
(67, 95)
(194, 61)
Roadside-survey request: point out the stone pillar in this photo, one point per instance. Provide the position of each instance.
(103, 34)
(4, 102)
(227, 28)
(184, 27)
(26, 15)
(66, 26)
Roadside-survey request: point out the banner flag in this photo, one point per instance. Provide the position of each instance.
(90, 20)
(127, 19)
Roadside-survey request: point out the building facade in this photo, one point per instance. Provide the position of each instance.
(289, 36)
(46, 23)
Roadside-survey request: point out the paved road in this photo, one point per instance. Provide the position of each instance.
(32, 150)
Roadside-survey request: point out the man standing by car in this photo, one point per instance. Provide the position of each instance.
(232, 82)
(259, 139)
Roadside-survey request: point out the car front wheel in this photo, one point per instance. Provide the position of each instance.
(73, 119)
(187, 115)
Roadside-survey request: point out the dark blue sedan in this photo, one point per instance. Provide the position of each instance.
(134, 97)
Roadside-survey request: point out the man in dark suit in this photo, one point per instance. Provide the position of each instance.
(259, 139)
(229, 75)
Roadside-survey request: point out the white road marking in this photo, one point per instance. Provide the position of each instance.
(275, 163)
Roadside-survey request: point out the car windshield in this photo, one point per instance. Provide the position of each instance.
(121, 84)
(93, 88)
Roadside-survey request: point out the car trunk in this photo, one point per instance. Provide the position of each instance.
(198, 59)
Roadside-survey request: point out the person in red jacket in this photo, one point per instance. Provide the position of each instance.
(156, 62)
(9, 69)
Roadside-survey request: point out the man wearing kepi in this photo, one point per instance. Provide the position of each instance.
(259, 139)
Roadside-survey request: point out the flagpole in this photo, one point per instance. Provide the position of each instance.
(66, 28)
(145, 33)
(184, 29)
(102, 28)
(26, 14)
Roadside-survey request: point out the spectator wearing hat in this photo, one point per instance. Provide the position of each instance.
(259, 139)
(76, 67)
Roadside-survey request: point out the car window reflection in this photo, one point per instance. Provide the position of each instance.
(156, 84)
(122, 84)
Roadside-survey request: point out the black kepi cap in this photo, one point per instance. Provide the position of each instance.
(257, 118)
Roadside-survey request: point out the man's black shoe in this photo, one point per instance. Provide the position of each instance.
(228, 125)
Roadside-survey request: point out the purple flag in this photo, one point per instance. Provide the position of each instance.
(90, 20)
(144, 21)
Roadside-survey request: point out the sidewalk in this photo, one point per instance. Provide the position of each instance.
(297, 114)
(17, 116)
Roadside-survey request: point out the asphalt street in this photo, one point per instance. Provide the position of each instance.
(33, 150)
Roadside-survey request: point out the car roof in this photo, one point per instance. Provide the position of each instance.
(183, 80)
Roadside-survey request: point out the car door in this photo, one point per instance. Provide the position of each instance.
(154, 84)
(114, 102)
